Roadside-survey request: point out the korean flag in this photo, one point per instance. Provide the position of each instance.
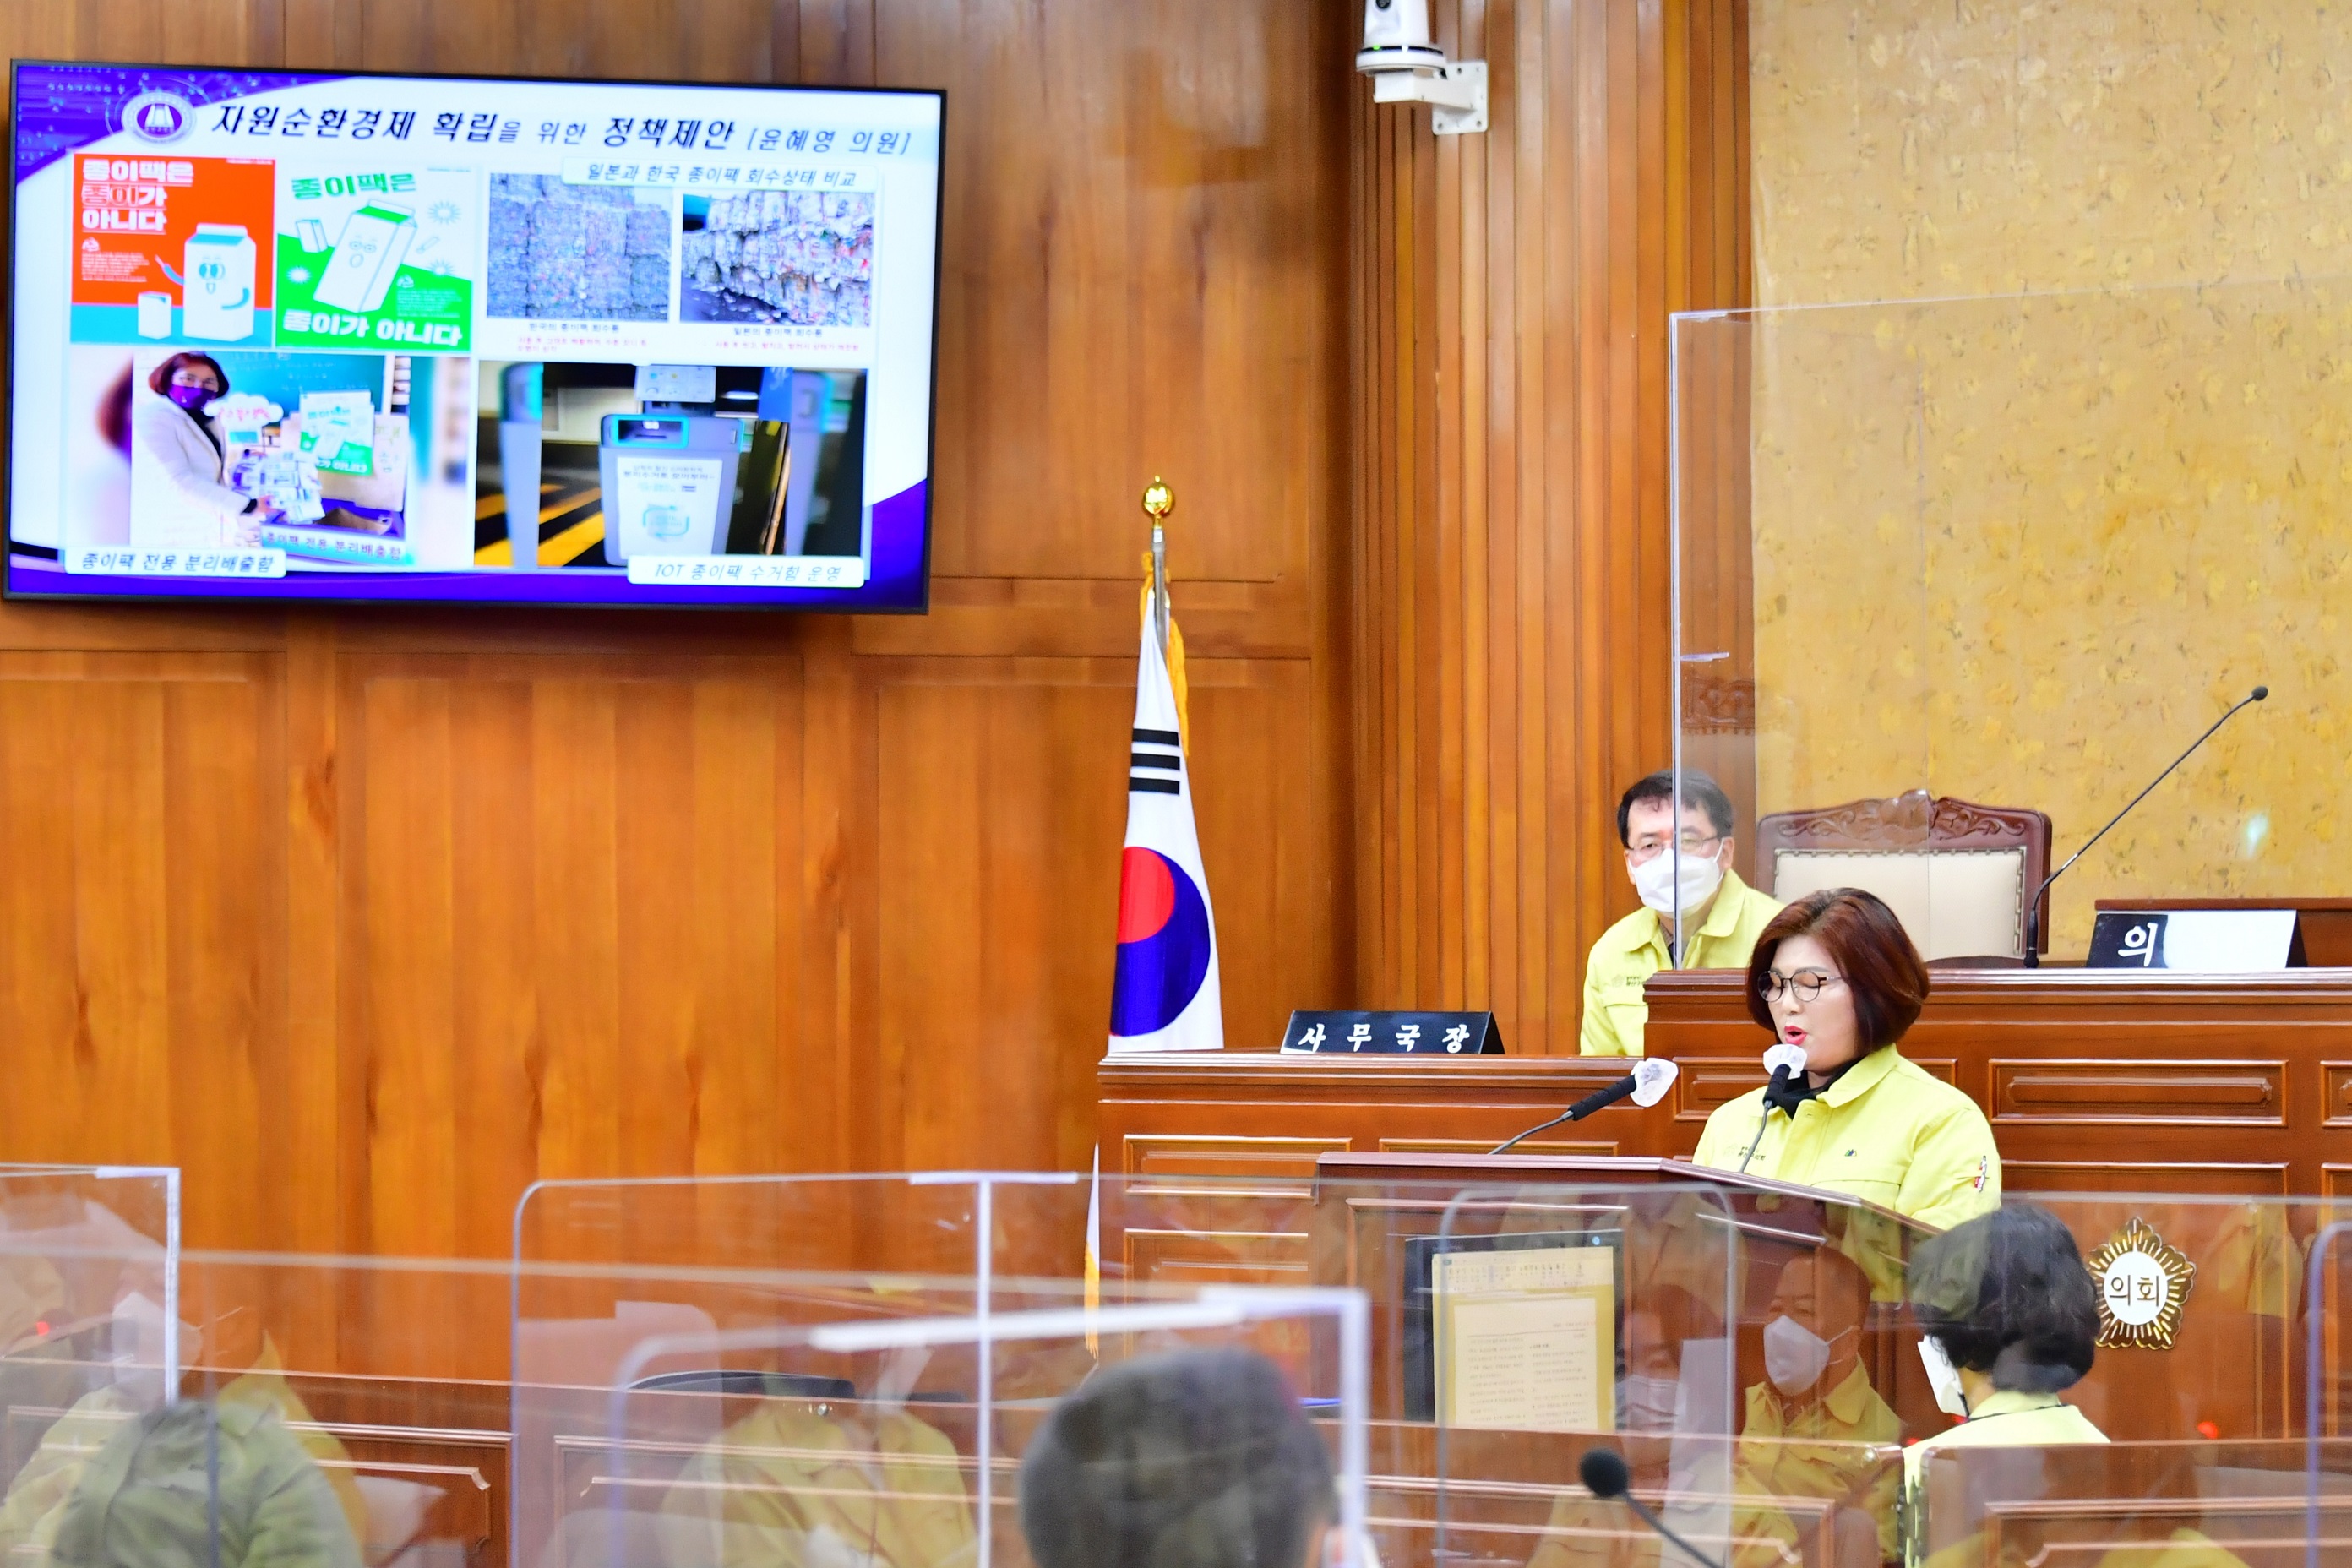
(1164, 996)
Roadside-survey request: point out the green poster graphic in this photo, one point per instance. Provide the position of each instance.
(375, 259)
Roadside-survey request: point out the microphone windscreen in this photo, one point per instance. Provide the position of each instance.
(1603, 1472)
(2262, 693)
(1652, 1076)
(1784, 1055)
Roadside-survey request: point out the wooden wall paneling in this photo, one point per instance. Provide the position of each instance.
(141, 921)
(481, 897)
(1511, 299)
(1169, 239)
(839, 1081)
(310, 797)
(1002, 788)
(993, 880)
(573, 903)
(210, 34)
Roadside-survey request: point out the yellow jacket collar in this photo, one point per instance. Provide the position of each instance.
(1863, 1077)
(1722, 915)
(1848, 1400)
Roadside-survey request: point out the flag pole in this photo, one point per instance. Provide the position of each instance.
(1159, 500)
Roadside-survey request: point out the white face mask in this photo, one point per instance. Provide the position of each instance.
(1943, 1377)
(1655, 880)
(1794, 1356)
(1646, 1404)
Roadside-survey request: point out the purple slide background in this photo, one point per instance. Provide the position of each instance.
(895, 580)
(60, 107)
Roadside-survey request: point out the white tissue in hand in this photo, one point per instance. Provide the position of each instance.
(1784, 1055)
(1652, 1076)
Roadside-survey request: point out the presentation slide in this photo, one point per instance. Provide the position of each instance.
(429, 339)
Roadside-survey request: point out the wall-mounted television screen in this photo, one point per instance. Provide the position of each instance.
(434, 339)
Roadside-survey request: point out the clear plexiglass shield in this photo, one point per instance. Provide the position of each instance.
(1954, 580)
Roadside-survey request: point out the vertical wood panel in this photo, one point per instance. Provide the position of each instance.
(992, 796)
(137, 897)
(499, 1042)
(1511, 301)
(569, 929)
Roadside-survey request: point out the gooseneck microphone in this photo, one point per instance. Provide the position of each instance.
(1604, 1475)
(1784, 1062)
(2033, 904)
(1647, 1083)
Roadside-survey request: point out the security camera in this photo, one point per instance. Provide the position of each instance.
(1396, 38)
(1407, 66)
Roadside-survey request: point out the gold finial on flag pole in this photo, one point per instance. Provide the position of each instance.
(1159, 500)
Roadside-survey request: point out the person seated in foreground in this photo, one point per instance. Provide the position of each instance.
(1721, 915)
(803, 1481)
(1815, 1428)
(2006, 1300)
(1189, 1459)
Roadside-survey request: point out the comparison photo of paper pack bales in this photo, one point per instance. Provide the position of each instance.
(419, 339)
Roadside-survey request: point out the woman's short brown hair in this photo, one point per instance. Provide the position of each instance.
(159, 380)
(1873, 952)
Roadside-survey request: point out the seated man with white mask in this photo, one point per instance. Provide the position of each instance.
(1808, 1428)
(1721, 914)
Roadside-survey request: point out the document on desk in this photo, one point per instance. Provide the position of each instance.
(1526, 1339)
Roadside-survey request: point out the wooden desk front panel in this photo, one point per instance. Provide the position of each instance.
(2102, 1081)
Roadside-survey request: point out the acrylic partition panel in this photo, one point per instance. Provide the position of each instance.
(921, 1439)
(2207, 1354)
(596, 1259)
(1755, 1362)
(1571, 1321)
(601, 1260)
(366, 1397)
(90, 1335)
(1941, 567)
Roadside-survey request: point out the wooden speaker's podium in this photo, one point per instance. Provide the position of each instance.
(1704, 1251)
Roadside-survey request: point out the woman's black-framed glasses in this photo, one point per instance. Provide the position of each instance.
(1805, 984)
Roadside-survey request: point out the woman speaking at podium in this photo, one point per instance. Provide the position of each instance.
(1836, 976)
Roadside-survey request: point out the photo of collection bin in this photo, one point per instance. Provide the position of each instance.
(577, 252)
(805, 258)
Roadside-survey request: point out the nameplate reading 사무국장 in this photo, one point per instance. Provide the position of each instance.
(1342, 1033)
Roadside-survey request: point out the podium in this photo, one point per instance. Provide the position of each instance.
(1711, 1268)
(1382, 1219)
(1683, 1268)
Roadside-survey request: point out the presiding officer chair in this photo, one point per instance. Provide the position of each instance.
(1956, 873)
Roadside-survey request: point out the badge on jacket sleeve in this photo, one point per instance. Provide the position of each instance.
(2142, 1283)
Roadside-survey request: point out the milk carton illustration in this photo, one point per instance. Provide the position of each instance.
(154, 314)
(367, 258)
(217, 293)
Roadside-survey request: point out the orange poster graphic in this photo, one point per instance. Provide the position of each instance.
(144, 225)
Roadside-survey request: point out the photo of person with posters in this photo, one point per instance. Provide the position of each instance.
(182, 498)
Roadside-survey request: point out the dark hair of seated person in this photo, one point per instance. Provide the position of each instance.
(2007, 1295)
(1191, 1459)
(1701, 795)
(1882, 969)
